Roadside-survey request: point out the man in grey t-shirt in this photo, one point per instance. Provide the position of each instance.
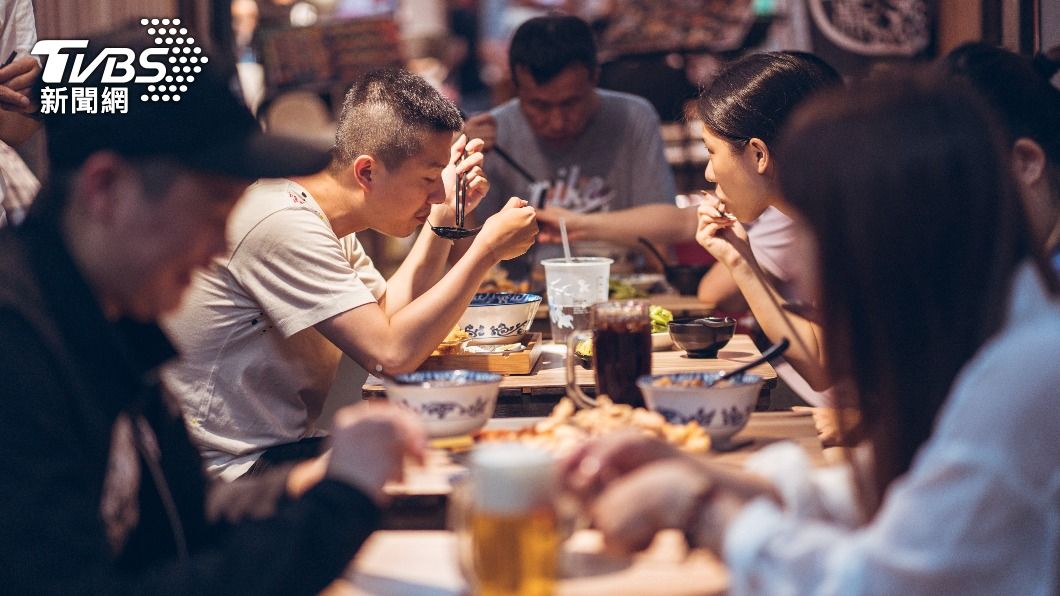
(591, 157)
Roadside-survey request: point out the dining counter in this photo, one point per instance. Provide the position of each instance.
(535, 394)
(424, 562)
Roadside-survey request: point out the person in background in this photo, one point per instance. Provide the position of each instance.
(591, 157)
(770, 237)
(18, 74)
(951, 356)
(743, 110)
(103, 491)
(244, 30)
(1029, 108)
(263, 328)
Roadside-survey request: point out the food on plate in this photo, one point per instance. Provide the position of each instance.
(692, 382)
(618, 289)
(566, 428)
(495, 348)
(660, 318)
(452, 342)
(457, 335)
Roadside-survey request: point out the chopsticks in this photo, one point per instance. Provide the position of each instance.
(461, 194)
(511, 161)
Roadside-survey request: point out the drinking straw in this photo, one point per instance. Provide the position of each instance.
(563, 235)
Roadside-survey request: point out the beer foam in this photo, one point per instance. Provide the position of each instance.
(510, 478)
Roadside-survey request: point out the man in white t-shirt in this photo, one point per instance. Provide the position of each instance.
(262, 331)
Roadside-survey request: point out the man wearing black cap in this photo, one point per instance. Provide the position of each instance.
(103, 491)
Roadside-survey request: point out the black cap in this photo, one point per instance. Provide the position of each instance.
(200, 123)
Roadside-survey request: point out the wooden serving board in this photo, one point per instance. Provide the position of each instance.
(511, 363)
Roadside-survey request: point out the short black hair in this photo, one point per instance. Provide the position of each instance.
(386, 113)
(547, 45)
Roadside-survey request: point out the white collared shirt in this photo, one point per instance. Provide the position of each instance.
(978, 512)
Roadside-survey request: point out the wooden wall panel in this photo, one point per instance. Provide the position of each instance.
(64, 19)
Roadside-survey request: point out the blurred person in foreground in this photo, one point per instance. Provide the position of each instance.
(264, 326)
(18, 75)
(595, 156)
(951, 357)
(104, 493)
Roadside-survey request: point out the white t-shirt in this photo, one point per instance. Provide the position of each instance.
(254, 372)
(772, 239)
(978, 512)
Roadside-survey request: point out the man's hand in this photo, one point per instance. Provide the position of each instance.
(369, 445)
(471, 165)
(548, 218)
(510, 232)
(16, 84)
(482, 126)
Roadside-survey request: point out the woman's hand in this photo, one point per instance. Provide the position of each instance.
(695, 497)
(666, 494)
(721, 235)
(588, 471)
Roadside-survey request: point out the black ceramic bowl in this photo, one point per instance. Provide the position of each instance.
(685, 278)
(702, 337)
(585, 361)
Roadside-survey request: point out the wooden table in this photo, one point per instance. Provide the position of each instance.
(548, 381)
(763, 428)
(425, 563)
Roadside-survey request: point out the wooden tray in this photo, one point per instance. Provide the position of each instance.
(511, 363)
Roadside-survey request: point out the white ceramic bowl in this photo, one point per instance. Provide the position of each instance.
(721, 410)
(448, 402)
(499, 317)
(661, 341)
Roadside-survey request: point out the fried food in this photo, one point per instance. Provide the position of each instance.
(457, 335)
(566, 428)
(452, 342)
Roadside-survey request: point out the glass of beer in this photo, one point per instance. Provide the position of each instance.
(621, 335)
(506, 523)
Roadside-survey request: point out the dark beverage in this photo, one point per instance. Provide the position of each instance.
(621, 354)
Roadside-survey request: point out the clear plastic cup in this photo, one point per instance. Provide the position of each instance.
(573, 287)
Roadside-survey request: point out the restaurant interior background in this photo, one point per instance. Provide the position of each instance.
(295, 58)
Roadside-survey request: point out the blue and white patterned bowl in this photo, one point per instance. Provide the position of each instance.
(499, 318)
(448, 402)
(722, 410)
